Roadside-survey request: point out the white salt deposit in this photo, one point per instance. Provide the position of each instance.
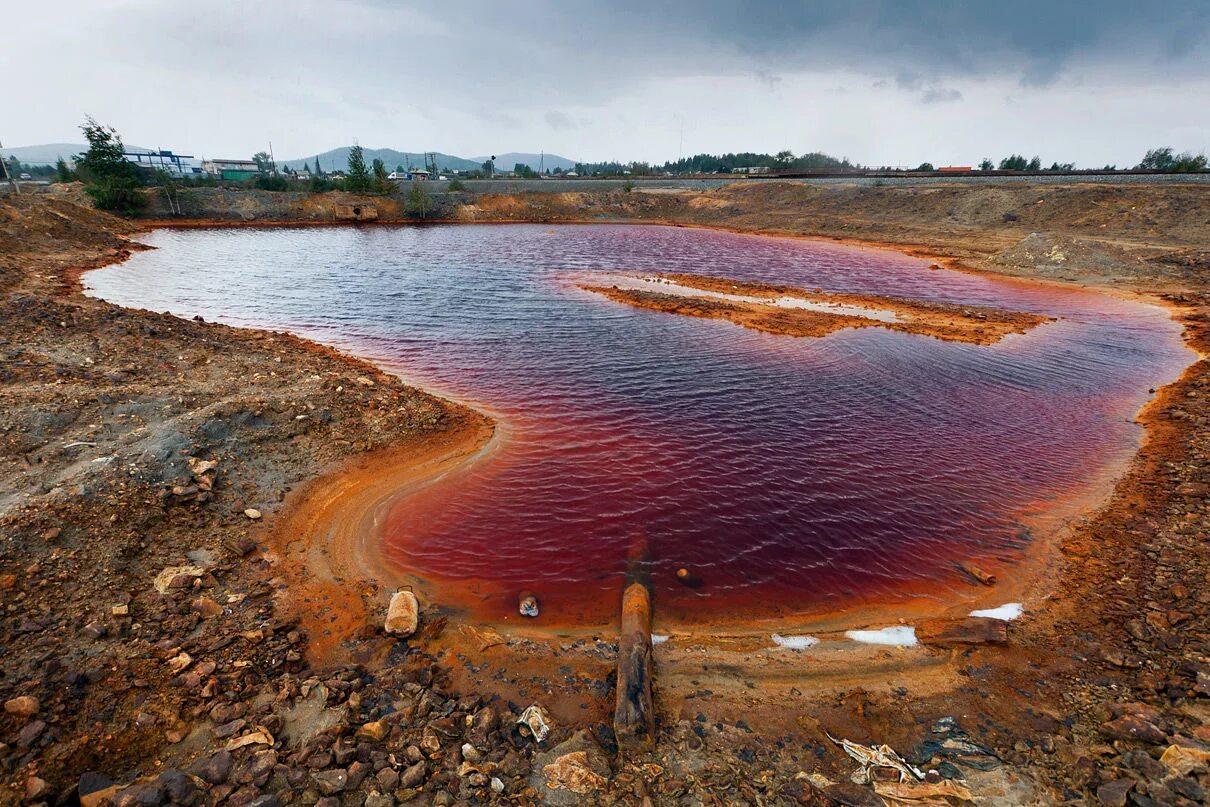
(897, 636)
(1006, 612)
(788, 301)
(659, 638)
(795, 642)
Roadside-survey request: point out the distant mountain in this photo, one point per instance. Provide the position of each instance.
(338, 159)
(332, 160)
(505, 162)
(49, 153)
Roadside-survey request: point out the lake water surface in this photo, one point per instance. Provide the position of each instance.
(787, 473)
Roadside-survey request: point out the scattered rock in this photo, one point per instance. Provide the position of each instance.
(22, 706)
(571, 770)
(252, 513)
(330, 782)
(413, 775)
(403, 614)
(375, 731)
(177, 577)
(1115, 793)
(972, 630)
(35, 788)
(179, 662)
(529, 604)
(1134, 727)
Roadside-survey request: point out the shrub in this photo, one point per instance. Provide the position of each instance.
(271, 182)
(110, 180)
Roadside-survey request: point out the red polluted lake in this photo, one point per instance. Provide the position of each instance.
(787, 474)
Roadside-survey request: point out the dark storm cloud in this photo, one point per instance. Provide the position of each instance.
(1030, 40)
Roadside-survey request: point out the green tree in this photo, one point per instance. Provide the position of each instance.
(110, 179)
(925, 167)
(263, 161)
(1160, 159)
(62, 172)
(1014, 162)
(418, 202)
(358, 178)
(1163, 159)
(319, 172)
(523, 170)
(381, 183)
(987, 164)
(1035, 164)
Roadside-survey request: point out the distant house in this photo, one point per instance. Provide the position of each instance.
(954, 169)
(231, 169)
(752, 169)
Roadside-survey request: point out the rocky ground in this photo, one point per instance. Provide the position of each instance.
(147, 658)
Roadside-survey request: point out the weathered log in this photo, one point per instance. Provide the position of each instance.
(634, 715)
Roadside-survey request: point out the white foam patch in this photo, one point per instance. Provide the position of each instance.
(659, 638)
(795, 642)
(1007, 612)
(897, 636)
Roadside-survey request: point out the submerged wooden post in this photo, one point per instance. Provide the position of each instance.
(634, 714)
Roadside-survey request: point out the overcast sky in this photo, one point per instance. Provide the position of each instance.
(892, 82)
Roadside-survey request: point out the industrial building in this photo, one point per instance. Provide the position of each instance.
(231, 169)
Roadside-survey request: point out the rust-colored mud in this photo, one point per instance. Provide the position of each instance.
(329, 535)
(979, 325)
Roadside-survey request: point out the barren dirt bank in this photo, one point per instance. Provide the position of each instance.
(201, 689)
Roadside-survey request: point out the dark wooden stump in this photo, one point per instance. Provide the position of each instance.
(634, 714)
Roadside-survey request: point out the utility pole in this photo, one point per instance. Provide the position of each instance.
(7, 175)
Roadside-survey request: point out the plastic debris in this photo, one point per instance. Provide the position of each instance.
(529, 604)
(882, 756)
(897, 636)
(537, 721)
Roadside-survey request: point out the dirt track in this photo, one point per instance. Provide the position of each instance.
(102, 411)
